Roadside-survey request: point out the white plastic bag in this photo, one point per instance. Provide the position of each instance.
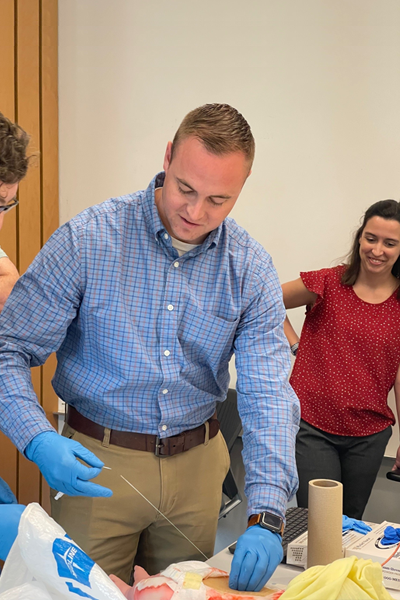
(27, 591)
(53, 567)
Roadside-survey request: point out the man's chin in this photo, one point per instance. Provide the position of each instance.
(194, 237)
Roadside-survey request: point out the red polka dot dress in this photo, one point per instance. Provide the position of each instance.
(348, 357)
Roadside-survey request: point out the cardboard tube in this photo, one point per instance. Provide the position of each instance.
(325, 506)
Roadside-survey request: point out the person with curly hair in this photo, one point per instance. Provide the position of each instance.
(13, 167)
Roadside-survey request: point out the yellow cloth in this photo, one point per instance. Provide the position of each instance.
(345, 579)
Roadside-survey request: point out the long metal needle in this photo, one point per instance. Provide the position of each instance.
(166, 518)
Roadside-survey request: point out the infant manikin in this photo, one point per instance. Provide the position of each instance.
(190, 580)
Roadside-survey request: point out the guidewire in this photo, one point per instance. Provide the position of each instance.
(166, 518)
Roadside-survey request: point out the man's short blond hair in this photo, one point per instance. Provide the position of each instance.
(220, 128)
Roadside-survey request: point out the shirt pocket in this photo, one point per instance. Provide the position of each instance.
(205, 339)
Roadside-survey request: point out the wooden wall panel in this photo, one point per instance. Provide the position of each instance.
(7, 57)
(29, 95)
(49, 95)
(28, 116)
(50, 182)
(8, 240)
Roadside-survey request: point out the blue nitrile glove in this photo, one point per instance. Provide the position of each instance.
(6, 495)
(355, 524)
(10, 515)
(391, 536)
(56, 457)
(258, 553)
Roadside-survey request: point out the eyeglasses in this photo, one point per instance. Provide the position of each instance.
(8, 207)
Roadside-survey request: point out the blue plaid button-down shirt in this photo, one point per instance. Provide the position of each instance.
(144, 337)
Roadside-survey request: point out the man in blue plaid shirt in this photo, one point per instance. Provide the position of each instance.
(145, 298)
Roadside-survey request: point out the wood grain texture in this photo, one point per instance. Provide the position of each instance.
(49, 93)
(8, 240)
(28, 111)
(29, 226)
(50, 182)
(7, 44)
(8, 236)
(28, 94)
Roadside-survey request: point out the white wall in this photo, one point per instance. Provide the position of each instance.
(318, 80)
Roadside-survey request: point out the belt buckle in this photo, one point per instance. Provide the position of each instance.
(157, 447)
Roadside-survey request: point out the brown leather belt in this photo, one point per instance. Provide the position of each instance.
(144, 441)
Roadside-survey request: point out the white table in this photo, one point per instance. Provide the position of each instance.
(281, 577)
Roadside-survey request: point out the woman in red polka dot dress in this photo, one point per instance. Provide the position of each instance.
(348, 359)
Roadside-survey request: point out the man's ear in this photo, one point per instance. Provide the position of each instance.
(168, 156)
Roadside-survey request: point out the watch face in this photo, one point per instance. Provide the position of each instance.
(270, 521)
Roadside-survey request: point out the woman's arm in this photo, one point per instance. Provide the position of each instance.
(397, 397)
(290, 333)
(296, 294)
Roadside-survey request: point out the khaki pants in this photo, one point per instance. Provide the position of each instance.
(122, 530)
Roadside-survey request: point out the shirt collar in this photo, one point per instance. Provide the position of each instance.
(156, 225)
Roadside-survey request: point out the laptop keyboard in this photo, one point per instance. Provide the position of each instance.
(296, 524)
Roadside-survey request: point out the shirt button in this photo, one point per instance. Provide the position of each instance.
(170, 307)
(166, 236)
(165, 391)
(164, 428)
(167, 352)
(176, 264)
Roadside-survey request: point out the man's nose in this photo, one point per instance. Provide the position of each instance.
(195, 209)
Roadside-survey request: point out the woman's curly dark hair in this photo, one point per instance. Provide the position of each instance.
(13, 144)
